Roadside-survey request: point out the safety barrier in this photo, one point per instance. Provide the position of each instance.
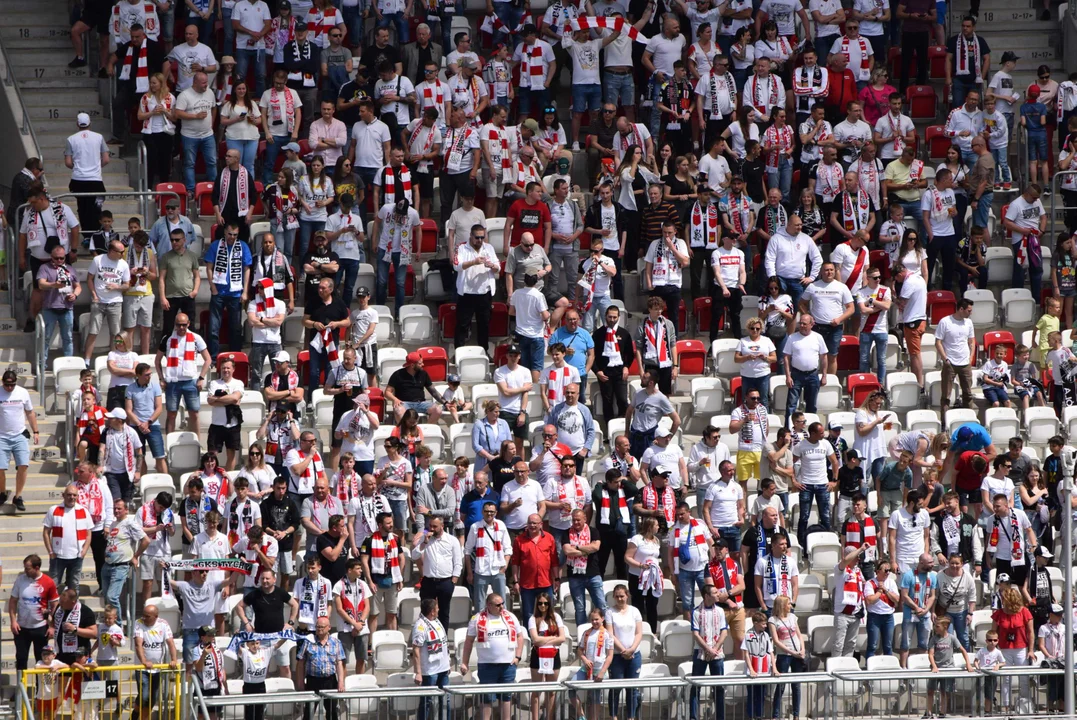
(102, 693)
(1057, 202)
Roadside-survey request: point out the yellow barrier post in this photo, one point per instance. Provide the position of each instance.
(116, 692)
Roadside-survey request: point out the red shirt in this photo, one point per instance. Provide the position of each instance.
(966, 478)
(841, 92)
(1012, 629)
(535, 560)
(529, 218)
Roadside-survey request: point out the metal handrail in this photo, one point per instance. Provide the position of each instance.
(1022, 156)
(197, 699)
(282, 697)
(69, 437)
(40, 342)
(737, 680)
(26, 127)
(26, 711)
(1056, 184)
(142, 181)
(11, 248)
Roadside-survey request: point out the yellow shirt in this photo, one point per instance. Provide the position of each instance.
(135, 259)
(1046, 325)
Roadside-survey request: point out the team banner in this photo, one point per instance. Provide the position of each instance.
(586, 22)
(227, 564)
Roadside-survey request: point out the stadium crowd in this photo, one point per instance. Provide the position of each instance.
(705, 135)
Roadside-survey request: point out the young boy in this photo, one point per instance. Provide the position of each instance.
(759, 661)
(970, 259)
(50, 690)
(1050, 645)
(940, 653)
(994, 376)
(110, 637)
(989, 658)
(498, 76)
(1049, 322)
(193, 513)
(1059, 360)
(314, 594)
(243, 513)
(293, 162)
(841, 448)
(1001, 90)
(797, 428)
(767, 497)
(209, 668)
(455, 398)
(87, 384)
(556, 376)
(1034, 120)
(345, 482)
(850, 482)
(891, 232)
(1026, 378)
(133, 225)
(997, 125)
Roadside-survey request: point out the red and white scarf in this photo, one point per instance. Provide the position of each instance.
(267, 306)
(578, 500)
(862, 532)
(710, 623)
(243, 188)
(483, 620)
(500, 137)
(583, 537)
(655, 336)
(1017, 548)
(536, 65)
(600, 648)
(353, 597)
(587, 22)
(180, 357)
(347, 485)
(852, 594)
(326, 340)
(556, 381)
(895, 130)
(705, 235)
(80, 519)
(142, 72)
(91, 498)
(417, 149)
(864, 71)
(224, 88)
(388, 184)
(916, 170)
(874, 588)
(867, 179)
(433, 96)
(165, 102)
(315, 469)
(740, 209)
(622, 507)
(320, 22)
(636, 138)
(727, 578)
(240, 519)
(382, 552)
(96, 415)
(488, 539)
(968, 55)
(830, 179)
(763, 108)
(854, 214)
(276, 114)
(612, 346)
(667, 503)
(780, 140)
(693, 534)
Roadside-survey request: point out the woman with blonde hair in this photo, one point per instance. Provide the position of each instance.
(789, 649)
(928, 449)
(875, 98)
(258, 473)
(488, 433)
(158, 130)
(644, 551)
(1014, 625)
(625, 623)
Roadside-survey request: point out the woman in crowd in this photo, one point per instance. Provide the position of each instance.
(875, 98)
(643, 555)
(868, 440)
(214, 480)
(680, 187)
(347, 182)
(121, 363)
(633, 192)
(488, 436)
(409, 432)
(356, 430)
(315, 195)
(1033, 492)
(282, 205)
(258, 473)
(158, 130)
(808, 211)
(740, 131)
(625, 624)
(777, 311)
(241, 119)
(922, 445)
(1013, 623)
(755, 354)
(912, 255)
(547, 632)
(789, 649)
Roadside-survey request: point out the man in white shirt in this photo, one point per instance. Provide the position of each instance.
(395, 94)
(586, 84)
(477, 268)
(629, 134)
(691, 544)
(965, 122)
(1011, 541)
(716, 95)
(851, 133)
(498, 143)
(67, 538)
(828, 17)
(85, 154)
(461, 156)
(369, 148)
(538, 68)
(830, 304)
(441, 558)
(520, 498)
(873, 301)
(191, 57)
(805, 359)
(251, 22)
(938, 208)
(811, 458)
(513, 382)
(282, 119)
(664, 453)
(108, 277)
(665, 261)
(528, 305)
(788, 252)
(724, 509)
(955, 339)
(913, 304)
(762, 92)
(662, 51)
(909, 531)
(776, 574)
(224, 395)
(43, 219)
(893, 131)
(1024, 217)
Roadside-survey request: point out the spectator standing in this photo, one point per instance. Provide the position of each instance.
(535, 567)
(955, 339)
(108, 277)
(196, 107)
(968, 59)
(487, 551)
(913, 304)
(228, 267)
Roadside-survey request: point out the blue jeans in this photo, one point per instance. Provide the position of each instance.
(191, 147)
(880, 627)
(793, 288)
(444, 703)
(761, 385)
(307, 228)
(781, 177)
(619, 90)
(381, 286)
(701, 666)
(1035, 277)
(622, 668)
(532, 102)
(219, 304)
(532, 351)
(1002, 166)
(959, 626)
(528, 596)
(246, 56)
(248, 151)
(185, 389)
(597, 314)
(787, 664)
(353, 20)
(962, 84)
(285, 240)
(346, 277)
(689, 580)
(274, 143)
(337, 76)
(876, 469)
(920, 625)
(69, 567)
(65, 318)
(756, 698)
(511, 16)
(398, 20)
(579, 585)
(229, 32)
(822, 499)
(731, 534)
(982, 210)
(879, 340)
(806, 383)
(495, 582)
(113, 579)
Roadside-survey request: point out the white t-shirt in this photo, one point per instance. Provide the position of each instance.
(941, 222)
(85, 149)
(577, 494)
(877, 320)
(826, 7)
(782, 12)
(619, 52)
(106, 271)
(1004, 549)
(804, 350)
(187, 56)
(827, 300)
(127, 361)
(778, 582)
(530, 303)
(724, 498)
(697, 551)
(192, 101)
(255, 664)
(401, 87)
(665, 270)
(47, 220)
(751, 436)
(994, 486)
(355, 594)
(955, 335)
(153, 640)
(814, 458)
(433, 646)
(671, 456)
(584, 60)
(530, 492)
(909, 531)
(514, 379)
(369, 139)
(266, 335)
(914, 291)
(346, 245)
(498, 647)
(872, 445)
(219, 413)
(716, 169)
(1024, 214)
(886, 126)
(533, 80)
(562, 217)
(252, 16)
(870, 28)
(602, 276)
(879, 607)
(762, 346)
(729, 263)
(623, 624)
(394, 233)
(665, 51)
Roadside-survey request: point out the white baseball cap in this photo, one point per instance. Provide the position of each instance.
(83, 119)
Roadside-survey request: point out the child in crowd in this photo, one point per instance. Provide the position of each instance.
(345, 483)
(940, 653)
(1059, 359)
(1051, 647)
(971, 259)
(497, 73)
(1001, 89)
(989, 658)
(995, 375)
(759, 661)
(97, 241)
(850, 482)
(891, 232)
(50, 687)
(1064, 271)
(1026, 378)
(1048, 323)
(91, 428)
(997, 125)
(110, 637)
(133, 225)
(767, 497)
(1034, 120)
(455, 398)
(88, 383)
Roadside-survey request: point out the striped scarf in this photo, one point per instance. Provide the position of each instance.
(501, 137)
(142, 74)
(650, 578)
(490, 536)
(656, 346)
(91, 424)
(483, 620)
(667, 503)
(382, 552)
(228, 262)
(622, 507)
(180, 358)
(268, 305)
(583, 537)
(852, 595)
(854, 213)
(346, 485)
(240, 519)
(862, 532)
(243, 190)
(326, 340)
(705, 235)
(618, 25)
(693, 535)
(556, 381)
(388, 184)
(91, 498)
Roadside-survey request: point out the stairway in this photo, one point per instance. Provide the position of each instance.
(36, 36)
(1015, 25)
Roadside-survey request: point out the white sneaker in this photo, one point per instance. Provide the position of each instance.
(576, 146)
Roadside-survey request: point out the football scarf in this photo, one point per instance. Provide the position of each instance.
(854, 213)
(240, 519)
(91, 497)
(389, 183)
(709, 625)
(650, 579)
(655, 340)
(149, 103)
(209, 564)
(852, 590)
(968, 55)
(587, 22)
(384, 553)
(243, 193)
(611, 348)
(483, 620)
(1017, 556)
(692, 537)
(622, 507)
(862, 532)
(864, 71)
(488, 545)
(829, 180)
(91, 425)
(346, 485)
(583, 537)
(326, 340)
(69, 641)
(180, 357)
(598, 654)
(320, 22)
(666, 502)
(37, 233)
(761, 106)
(705, 234)
(228, 265)
(774, 218)
(278, 115)
(79, 516)
(314, 470)
(895, 130)
(313, 597)
(779, 140)
(266, 304)
(778, 581)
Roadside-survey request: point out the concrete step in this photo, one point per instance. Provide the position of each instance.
(87, 97)
(56, 43)
(63, 113)
(114, 176)
(51, 84)
(38, 64)
(46, 30)
(34, 14)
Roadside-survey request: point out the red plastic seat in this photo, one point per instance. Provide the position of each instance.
(937, 142)
(849, 354)
(936, 57)
(377, 401)
(691, 357)
(736, 390)
(1000, 338)
(860, 385)
(203, 198)
(203, 322)
(409, 281)
(634, 369)
(259, 206)
(923, 102)
(162, 200)
(880, 260)
(302, 368)
(242, 369)
(435, 362)
(893, 59)
(940, 303)
(585, 241)
(499, 319)
(701, 309)
(447, 320)
(427, 242)
(501, 354)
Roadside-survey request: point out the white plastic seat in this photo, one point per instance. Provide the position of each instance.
(893, 353)
(722, 351)
(1002, 423)
(416, 325)
(778, 391)
(66, 371)
(903, 390)
(676, 638)
(821, 634)
(926, 420)
(810, 597)
(323, 408)
(153, 483)
(495, 234)
(730, 440)
(384, 330)
(390, 650)
(460, 439)
(708, 398)
(365, 705)
(615, 428)
(390, 359)
(933, 388)
(981, 623)
(473, 366)
(928, 354)
(844, 689)
(654, 695)
(824, 550)
(999, 262)
(956, 417)
(433, 438)
(888, 689)
(1069, 421)
(253, 406)
(480, 394)
(183, 450)
(1019, 308)
(1041, 424)
(984, 309)
(829, 395)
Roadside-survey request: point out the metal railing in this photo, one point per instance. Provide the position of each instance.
(41, 345)
(142, 181)
(103, 692)
(11, 260)
(1021, 141)
(1057, 201)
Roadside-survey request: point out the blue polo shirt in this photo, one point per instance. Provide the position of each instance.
(471, 505)
(579, 342)
(979, 439)
(211, 257)
(143, 399)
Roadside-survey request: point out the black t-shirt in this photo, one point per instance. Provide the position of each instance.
(753, 172)
(280, 515)
(350, 92)
(398, 184)
(500, 472)
(306, 60)
(335, 311)
(315, 255)
(423, 60)
(86, 619)
(332, 570)
(268, 609)
(751, 541)
(373, 56)
(615, 525)
(637, 9)
(849, 480)
(408, 387)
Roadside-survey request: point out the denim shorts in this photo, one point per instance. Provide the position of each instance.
(496, 674)
(831, 336)
(1037, 147)
(586, 98)
(186, 388)
(420, 407)
(533, 351)
(17, 446)
(1030, 392)
(191, 646)
(619, 89)
(155, 441)
(996, 394)
(400, 513)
